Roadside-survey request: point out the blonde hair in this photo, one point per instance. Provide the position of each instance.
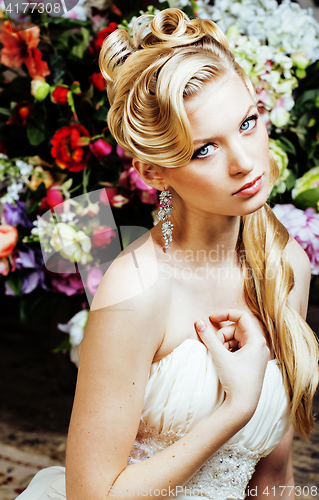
(148, 78)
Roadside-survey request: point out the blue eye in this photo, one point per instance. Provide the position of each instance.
(204, 151)
(250, 123)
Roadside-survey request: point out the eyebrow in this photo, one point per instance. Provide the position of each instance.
(211, 139)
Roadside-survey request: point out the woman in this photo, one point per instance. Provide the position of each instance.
(220, 398)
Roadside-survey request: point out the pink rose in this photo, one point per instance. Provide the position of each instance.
(125, 158)
(101, 149)
(53, 198)
(133, 181)
(102, 237)
(107, 194)
(70, 284)
(93, 280)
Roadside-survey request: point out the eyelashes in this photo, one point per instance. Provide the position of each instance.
(197, 153)
(205, 151)
(252, 118)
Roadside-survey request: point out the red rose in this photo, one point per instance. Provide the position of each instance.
(70, 147)
(96, 43)
(60, 95)
(20, 114)
(98, 81)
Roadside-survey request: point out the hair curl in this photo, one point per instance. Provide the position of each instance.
(148, 78)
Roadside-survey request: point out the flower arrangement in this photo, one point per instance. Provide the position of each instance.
(66, 186)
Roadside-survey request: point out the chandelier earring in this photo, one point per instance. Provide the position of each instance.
(164, 214)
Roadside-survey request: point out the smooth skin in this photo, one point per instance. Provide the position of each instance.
(133, 323)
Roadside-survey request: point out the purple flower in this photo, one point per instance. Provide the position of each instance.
(16, 214)
(30, 263)
(304, 227)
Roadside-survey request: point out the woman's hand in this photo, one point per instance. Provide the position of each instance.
(241, 372)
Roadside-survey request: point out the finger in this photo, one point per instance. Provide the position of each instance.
(239, 316)
(200, 326)
(233, 344)
(221, 337)
(209, 338)
(227, 332)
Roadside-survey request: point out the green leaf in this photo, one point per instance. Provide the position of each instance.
(290, 181)
(100, 114)
(31, 208)
(40, 192)
(87, 96)
(64, 41)
(306, 101)
(66, 344)
(307, 199)
(15, 283)
(58, 67)
(69, 22)
(5, 111)
(36, 134)
(287, 145)
(79, 49)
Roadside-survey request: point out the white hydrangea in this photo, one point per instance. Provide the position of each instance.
(15, 173)
(25, 168)
(287, 25)
(12, 193)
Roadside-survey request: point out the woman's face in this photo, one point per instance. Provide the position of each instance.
(230, 151)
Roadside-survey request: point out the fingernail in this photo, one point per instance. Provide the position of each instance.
(200, 325)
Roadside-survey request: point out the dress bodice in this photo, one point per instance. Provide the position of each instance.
(181, 392)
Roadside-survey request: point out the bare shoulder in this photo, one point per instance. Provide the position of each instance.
(132, 276)
(300, 263)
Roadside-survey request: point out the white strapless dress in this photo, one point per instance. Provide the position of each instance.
(182, 391)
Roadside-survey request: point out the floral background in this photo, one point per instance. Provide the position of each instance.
(55, 147)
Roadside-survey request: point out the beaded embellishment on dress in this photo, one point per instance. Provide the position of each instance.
(224, 476)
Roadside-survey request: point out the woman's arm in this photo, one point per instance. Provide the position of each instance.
(273, 477)
(274, 473)
(116, 353)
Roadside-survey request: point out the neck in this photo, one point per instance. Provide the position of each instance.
(204, 236)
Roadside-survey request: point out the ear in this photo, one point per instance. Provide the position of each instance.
(152, 175)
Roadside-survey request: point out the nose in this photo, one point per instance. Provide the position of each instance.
(240, 157)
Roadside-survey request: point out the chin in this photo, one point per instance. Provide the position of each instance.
(254, 205)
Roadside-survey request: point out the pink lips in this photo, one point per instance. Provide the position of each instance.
(250, 188)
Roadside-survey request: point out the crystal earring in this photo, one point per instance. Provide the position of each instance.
(164, 214)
